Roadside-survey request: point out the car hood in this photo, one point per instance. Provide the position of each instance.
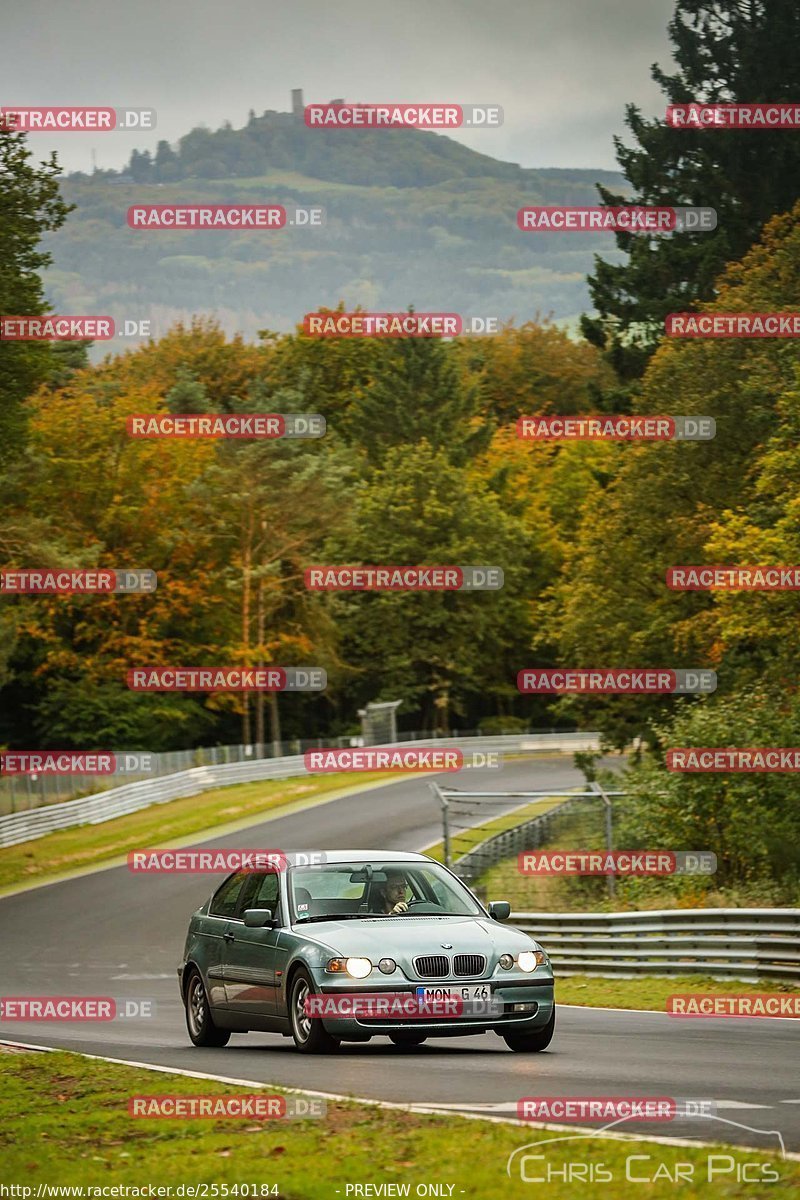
(403, 937)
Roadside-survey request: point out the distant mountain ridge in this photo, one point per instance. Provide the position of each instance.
(281, 141)
(412, 217)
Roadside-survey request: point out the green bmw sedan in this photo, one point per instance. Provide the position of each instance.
(348, 945)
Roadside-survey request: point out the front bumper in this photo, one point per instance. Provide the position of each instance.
(535, 994)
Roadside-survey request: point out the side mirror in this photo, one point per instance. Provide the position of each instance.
(258, 918)
(500, 910)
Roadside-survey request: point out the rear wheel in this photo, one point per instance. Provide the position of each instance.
(408, 1039)
(310, 1035)
(199, 1021)
(533, 1042)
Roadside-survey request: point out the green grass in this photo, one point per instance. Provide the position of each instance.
(64, 1121)
(161, 825)
(650, 992)
(462, 842)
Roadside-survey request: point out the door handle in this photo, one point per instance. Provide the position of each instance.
(228, 937)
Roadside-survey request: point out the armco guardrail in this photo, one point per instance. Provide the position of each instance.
(116, 802)
(730, 943)
(528, 835)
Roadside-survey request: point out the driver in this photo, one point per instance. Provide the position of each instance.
(390, 897)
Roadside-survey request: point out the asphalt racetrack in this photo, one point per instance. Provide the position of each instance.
(112, 933)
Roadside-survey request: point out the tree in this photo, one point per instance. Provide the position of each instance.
(166, 163)
(418, 393)
(439, 651)
(750, 821)
(30, 206)
(269, 507)
(535, 367)
(725, 50)
(665, 501)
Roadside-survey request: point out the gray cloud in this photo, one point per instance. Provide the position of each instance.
(562, 69)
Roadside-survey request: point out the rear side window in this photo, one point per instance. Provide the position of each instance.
(226, 898)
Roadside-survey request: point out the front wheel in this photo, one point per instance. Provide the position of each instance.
(533, 1042)
(199, 1021)
(310, 1035)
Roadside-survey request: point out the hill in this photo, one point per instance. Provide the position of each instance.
(411, 218)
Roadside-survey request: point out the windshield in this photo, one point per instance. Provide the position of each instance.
(397, 889)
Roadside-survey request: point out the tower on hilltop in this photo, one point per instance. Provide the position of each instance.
(297, 103)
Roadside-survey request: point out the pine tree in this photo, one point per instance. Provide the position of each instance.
(418, 393)
(725, 50)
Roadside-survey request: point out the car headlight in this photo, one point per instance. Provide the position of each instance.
(357, 968)
(387, 966)
(506, 961)
(529, 960)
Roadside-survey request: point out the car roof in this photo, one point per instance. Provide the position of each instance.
(348, 856)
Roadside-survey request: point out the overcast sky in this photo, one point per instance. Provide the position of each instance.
(562, 69)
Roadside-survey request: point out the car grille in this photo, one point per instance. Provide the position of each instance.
(469, 964)
(437, 966)
(432, 966)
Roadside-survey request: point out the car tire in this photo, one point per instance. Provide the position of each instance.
(532, 1043)
(308, 1033)
(408, 1039)
(199, 1021)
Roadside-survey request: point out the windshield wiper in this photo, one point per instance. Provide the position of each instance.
(348, 916)
(412, 913)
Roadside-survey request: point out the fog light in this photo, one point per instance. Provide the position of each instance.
(506, 961)
(387, 965)
(359, 968)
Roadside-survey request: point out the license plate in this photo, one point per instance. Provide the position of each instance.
(468, 991)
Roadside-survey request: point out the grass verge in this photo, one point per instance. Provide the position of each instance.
(462, 842)
(161, 824)
(64, 1121)
(651, 992)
